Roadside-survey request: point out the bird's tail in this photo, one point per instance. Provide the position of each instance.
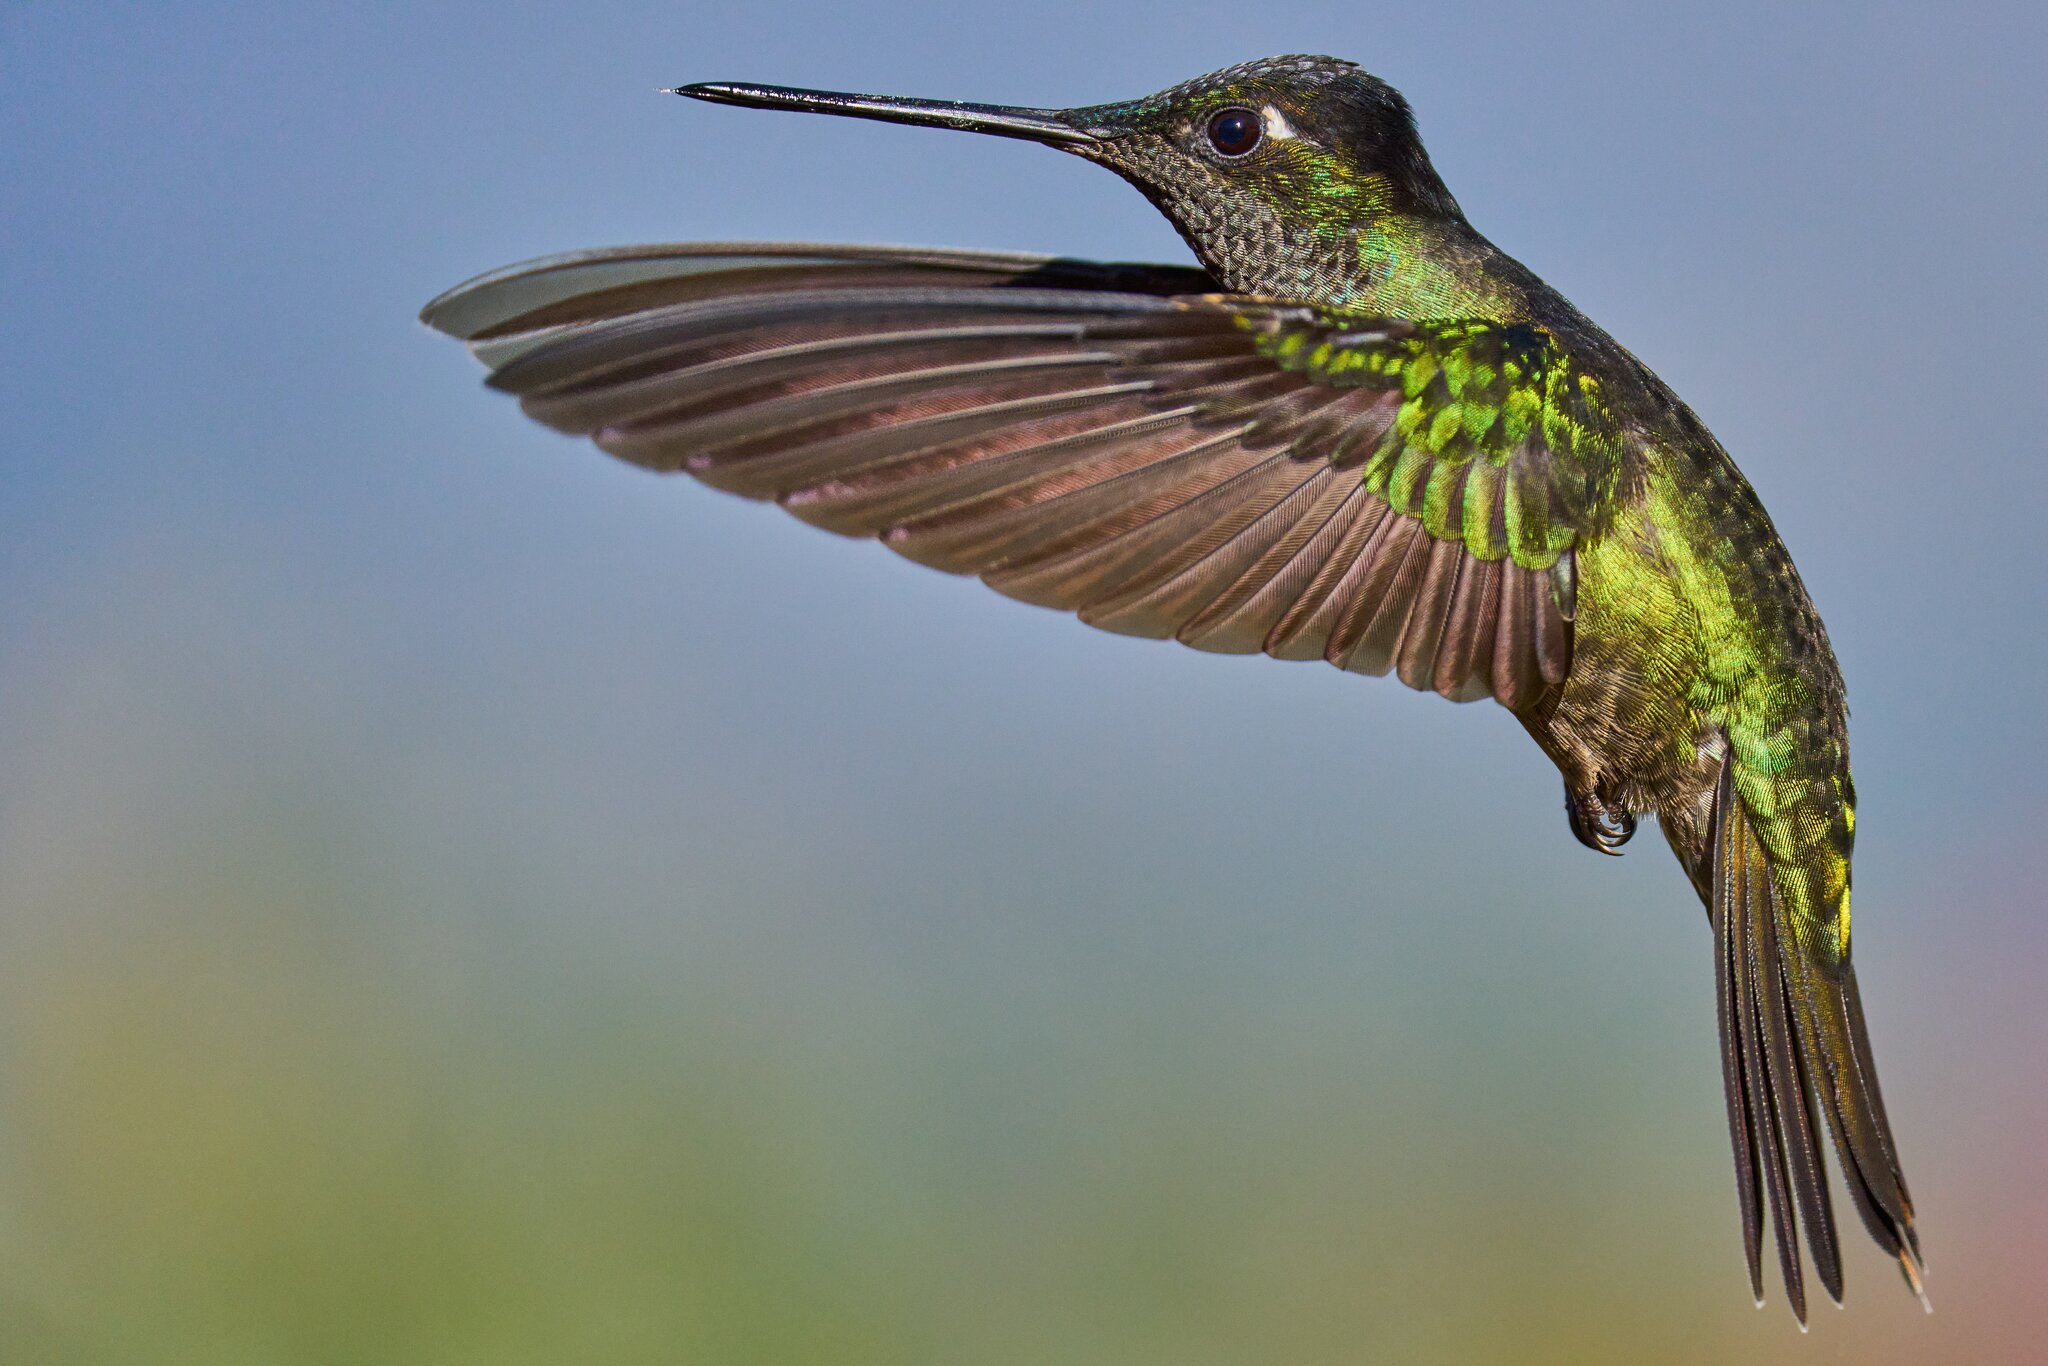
(1793, 1040)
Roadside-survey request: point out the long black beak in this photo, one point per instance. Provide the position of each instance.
(1034, 125)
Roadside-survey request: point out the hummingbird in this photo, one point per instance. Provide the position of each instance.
(1356, 431)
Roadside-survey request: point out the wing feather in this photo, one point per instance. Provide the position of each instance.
(1303, 632)
(1240, 474)
(1241, 619)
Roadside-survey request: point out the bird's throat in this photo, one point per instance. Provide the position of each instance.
(1427, 271)
(1392, 267)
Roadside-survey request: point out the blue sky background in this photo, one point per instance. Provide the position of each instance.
(466, 898)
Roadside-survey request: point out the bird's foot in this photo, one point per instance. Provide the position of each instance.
(1597, 823)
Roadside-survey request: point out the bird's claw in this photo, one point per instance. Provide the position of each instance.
(1598, 825)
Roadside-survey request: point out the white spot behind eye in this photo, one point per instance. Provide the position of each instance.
(1276, 123)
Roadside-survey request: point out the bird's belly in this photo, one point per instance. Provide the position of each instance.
(1628, 725)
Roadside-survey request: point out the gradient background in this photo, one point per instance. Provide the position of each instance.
(468, 901)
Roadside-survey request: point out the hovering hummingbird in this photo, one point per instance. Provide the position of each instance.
(1358, 432)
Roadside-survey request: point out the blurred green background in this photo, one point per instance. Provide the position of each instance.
(468, 902)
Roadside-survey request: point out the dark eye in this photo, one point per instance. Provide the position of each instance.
(1233, 132)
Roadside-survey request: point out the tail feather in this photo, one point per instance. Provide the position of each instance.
(1793, 1042)
(1730, 978)
(1837, 1048)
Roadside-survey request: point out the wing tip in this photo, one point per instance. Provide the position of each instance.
(496, 296)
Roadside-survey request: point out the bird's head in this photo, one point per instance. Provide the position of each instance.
(1270, 170)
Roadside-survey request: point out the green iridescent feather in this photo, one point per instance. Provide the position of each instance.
(1498, 442)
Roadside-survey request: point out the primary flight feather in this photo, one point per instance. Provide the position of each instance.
(1360, 433)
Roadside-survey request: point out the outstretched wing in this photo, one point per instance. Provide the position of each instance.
(1238, 474)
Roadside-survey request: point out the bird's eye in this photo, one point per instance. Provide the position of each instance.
(1234, 132)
